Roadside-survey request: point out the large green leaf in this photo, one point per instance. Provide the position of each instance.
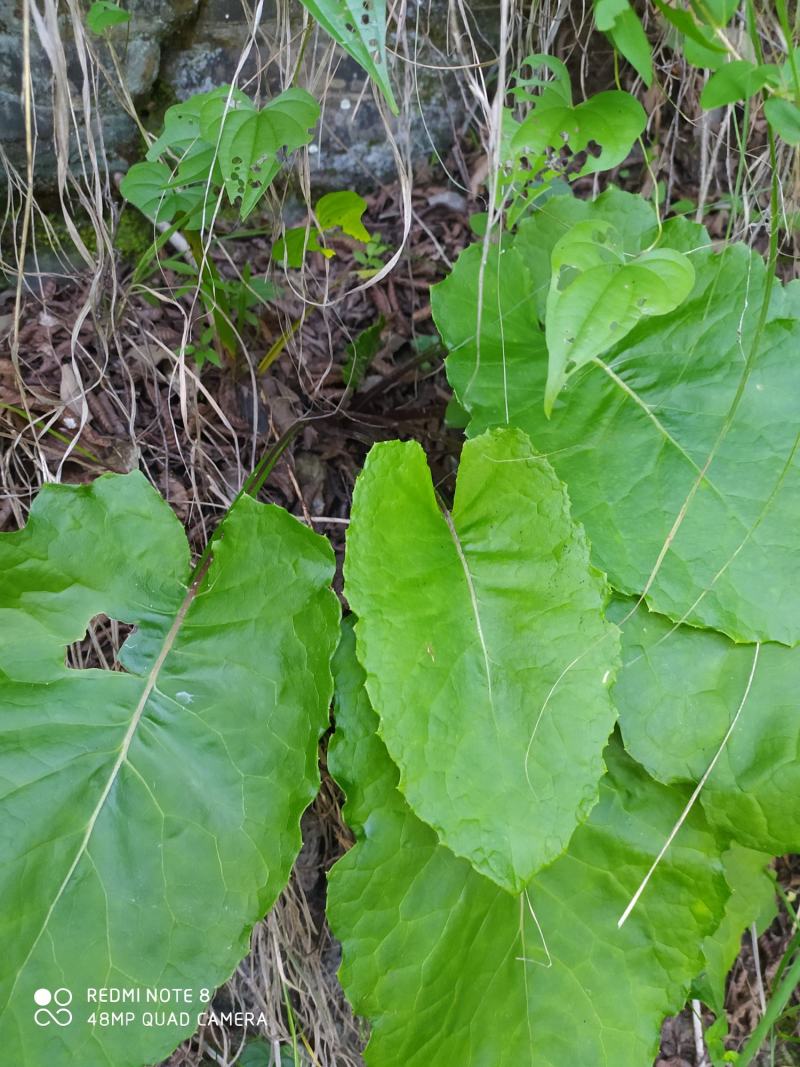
(450, 969)
(149, 815)
(678, 694)
(678, 447)
(487, 652)
(359, 26)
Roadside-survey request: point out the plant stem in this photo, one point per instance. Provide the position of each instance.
(777, 1003)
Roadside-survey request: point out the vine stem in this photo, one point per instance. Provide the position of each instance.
(777, 1002)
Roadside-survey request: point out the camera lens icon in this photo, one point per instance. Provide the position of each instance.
(59, 1014)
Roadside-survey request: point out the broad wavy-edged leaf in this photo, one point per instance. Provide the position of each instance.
(450, 969)
(603, 128)
(359, 26)
(679, 447)
(678, 694)
(150, 815)
(597, 295)
(753, 900)
(486, 647)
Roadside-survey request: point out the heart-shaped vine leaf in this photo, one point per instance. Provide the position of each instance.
(679, 447)
(147, 187)
(737, 80)
(359, 26)
(214, 139)
(102, 15)
(253, 146)
(597, 296)
(679, 693)
(576, 138)
(486, 648)
(150, 815)
(449, 968)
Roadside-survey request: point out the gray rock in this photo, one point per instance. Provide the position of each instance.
(189, 46)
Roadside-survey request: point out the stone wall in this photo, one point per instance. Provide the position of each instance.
(170, 50)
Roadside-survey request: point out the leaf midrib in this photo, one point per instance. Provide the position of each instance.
(149, 686)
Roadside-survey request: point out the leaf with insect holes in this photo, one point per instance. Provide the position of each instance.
(556, 133)
(678, 693)
(597, 295)
(620, 23)
(449, 968)
(251, 144)
(102, 15)
(150, 815)
(680, 445)
(359, 26)
(487, 652)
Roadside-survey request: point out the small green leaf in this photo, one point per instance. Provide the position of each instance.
(784, 117)
(359, 26)
(291, 248)
(150, 815)
(490, 617)
(606, 12)
(597, 296)
(687, 24)
(147, 187)
(628, 37)
(450, 969)
(737, 80)
(102, 15)
(360, 353)
(343, 209)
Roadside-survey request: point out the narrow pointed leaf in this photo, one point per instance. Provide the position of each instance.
(486, 649)
(359, 26)
(449, 968)
(149, 816)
